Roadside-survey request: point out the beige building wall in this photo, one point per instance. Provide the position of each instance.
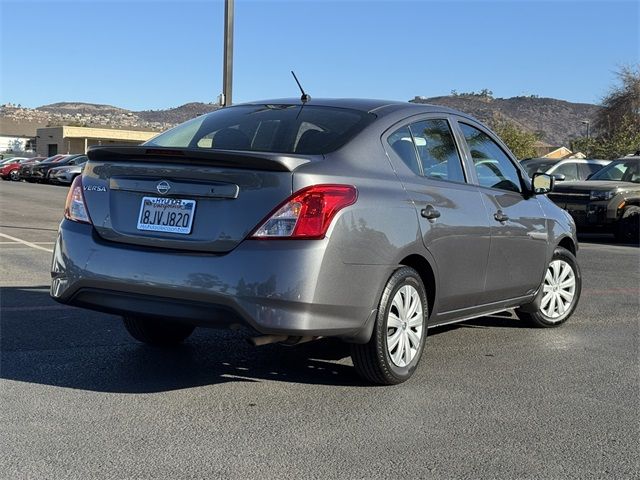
(558, 153)
(78, 139)
(46, 137)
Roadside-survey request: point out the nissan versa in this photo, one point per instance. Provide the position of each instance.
(359, 219)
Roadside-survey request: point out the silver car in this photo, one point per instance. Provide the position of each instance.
(66, 174)
(569, 170)
(366, 220)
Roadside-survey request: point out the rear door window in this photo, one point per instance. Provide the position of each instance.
(402, 144)
(437, 150)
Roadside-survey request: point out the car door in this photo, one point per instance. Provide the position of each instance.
(517, 257)
(452, 217)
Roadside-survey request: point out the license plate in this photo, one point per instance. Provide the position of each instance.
(170, 215)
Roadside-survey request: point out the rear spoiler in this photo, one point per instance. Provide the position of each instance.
(206, 157)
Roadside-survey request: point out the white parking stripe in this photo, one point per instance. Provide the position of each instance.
(35, 243)
(24, 242)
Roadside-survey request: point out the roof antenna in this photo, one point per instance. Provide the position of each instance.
(304, 98)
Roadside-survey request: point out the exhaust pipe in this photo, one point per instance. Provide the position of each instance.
(283, 339)
(267, 339)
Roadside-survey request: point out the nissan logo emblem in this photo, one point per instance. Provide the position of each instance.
(163, 187)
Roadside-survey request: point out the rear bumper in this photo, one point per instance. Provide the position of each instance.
(275, 287)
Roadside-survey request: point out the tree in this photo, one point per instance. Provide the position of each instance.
(623, 140)
(617, 125)
(621, 106)
(15, 146)
(520, 142)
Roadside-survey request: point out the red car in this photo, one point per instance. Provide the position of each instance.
(10, 169)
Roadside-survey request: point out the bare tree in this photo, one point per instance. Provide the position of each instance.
(621, 105)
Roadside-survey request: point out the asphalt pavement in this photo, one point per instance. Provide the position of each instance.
(492, 398)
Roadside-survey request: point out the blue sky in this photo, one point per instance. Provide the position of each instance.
(151, 54)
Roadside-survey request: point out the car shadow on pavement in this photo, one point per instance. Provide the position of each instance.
(497, 320)
(46, 343)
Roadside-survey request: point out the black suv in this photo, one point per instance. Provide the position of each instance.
(609, 200)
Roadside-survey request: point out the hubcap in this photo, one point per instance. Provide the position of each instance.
(559, 289)
(404, 326)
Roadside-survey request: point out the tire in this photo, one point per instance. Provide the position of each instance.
(628, 227)
(157, 332)
(374, 361)
(562, 301)
(14, 175)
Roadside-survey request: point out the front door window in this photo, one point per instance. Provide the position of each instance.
(493, 166)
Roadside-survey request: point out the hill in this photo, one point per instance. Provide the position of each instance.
(18, 120)
(178, 114)
(557, 121)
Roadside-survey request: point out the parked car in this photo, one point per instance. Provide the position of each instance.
(39, 173)
(65, 174)
(302, 219)
(12, 171)
(7, 165)
(26, 170)
(608, 201)
(570, 169)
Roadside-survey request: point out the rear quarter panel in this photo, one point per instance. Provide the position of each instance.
(368, 239)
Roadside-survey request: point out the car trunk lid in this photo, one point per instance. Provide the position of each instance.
(225, 194)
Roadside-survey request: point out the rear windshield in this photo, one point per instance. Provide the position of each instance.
(268, 128)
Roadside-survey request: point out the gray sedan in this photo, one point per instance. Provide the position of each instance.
(366, 220)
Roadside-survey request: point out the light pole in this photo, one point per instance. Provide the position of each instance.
(227, 75)
(587, 123)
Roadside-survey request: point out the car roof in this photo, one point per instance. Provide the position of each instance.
(563, 160)
(379, 107)
(539, 160)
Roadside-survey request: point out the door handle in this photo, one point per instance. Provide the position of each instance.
(430, 213)
(500, 216)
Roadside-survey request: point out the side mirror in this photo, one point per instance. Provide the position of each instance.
(542, 183)
(559, 177)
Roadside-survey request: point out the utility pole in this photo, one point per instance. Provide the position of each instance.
(587, 123)
(227, 76)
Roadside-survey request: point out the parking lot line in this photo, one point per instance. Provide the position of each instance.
(24, 242)
(35, 243)
(35, 308)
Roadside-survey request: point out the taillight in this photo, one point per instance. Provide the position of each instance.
(307, 213)
(75, 209)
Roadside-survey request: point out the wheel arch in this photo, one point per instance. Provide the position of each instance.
(632, 201)
(569, 244)
(427, 274)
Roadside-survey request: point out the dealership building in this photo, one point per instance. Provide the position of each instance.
(53, 140)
